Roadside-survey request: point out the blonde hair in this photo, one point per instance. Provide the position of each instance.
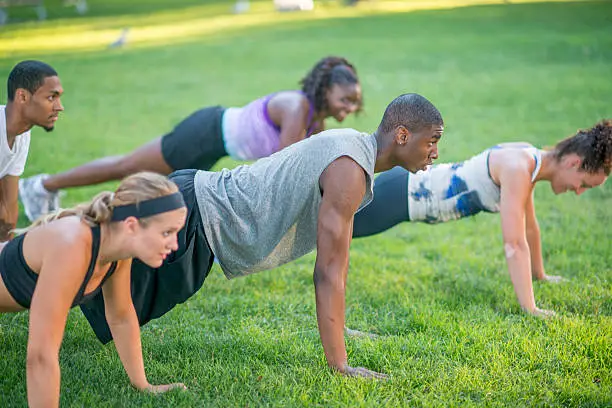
(132, 190)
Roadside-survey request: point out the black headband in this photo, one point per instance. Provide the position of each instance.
(148, 208)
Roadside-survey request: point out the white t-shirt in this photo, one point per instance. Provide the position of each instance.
(12, 161)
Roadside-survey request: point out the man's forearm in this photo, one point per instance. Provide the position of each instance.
(9, 212)
(5, 229)
(330, 318)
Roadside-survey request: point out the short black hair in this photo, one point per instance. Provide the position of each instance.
(28, 75)
(412, 111)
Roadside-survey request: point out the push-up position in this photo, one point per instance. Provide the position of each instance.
(68, 257)
(264, 126)
(260, 216)
(500, 179)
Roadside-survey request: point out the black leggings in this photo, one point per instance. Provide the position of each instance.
(389, 207)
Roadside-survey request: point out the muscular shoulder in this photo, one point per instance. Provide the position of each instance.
(344, 180)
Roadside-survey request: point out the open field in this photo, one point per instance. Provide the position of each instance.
(450, 329)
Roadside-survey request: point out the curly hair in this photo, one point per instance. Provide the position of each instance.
(327, 72)
(593, 145)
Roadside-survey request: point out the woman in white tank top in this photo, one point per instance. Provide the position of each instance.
(500, 179)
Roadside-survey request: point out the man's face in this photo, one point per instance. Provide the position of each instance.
(43, 106)
(419, 149)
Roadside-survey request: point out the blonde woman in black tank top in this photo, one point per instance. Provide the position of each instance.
(68, 257)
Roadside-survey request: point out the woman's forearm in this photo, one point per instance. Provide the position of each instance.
(126, 333)
(519, 267)
(535, 252)
(43, 380)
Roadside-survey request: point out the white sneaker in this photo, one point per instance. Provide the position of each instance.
(54, 200)
(35, 200)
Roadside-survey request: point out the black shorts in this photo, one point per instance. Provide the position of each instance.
(155, 291)
(196, 142)
(389, 206)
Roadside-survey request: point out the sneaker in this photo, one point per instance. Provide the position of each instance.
(54, 200)
(35, 202)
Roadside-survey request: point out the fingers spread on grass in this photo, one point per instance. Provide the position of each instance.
(357, 333)
(159, 389)
(364, 373)
(555, 279)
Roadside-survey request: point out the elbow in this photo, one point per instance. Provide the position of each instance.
(533, 230)
(39, 359)
(332, 256)
(328, 279)
(120, 313)
(120, 319)
(514, 247)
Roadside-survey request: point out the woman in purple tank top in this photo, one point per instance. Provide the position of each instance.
(258, 129)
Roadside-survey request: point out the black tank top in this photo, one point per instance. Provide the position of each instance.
(20, 280)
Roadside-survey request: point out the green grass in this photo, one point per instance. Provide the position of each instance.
(451, 332)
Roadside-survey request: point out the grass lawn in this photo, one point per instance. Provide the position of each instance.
(450, 329)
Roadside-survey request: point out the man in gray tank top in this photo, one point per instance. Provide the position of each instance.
(257, 217)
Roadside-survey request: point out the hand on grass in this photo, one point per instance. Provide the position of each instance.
(553, 278)
(357, 333)
(159, 389)
(362, 372)
(543, 313)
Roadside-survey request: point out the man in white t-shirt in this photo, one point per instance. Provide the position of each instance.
(33, 93)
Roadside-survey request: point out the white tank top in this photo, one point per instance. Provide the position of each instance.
(451, 191)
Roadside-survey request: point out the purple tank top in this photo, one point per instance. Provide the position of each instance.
(249, 133)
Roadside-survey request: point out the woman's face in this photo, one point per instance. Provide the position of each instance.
(342, 100)
(157, 237)
(570, 177)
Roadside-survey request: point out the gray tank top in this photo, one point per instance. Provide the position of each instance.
(263, 215)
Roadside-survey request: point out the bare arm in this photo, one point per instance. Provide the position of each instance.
(535, 244)
(60, 277)
(343, 184)
(293, 117)
(9, 207)
(516, 190)
(123, 323)
(533, 240)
